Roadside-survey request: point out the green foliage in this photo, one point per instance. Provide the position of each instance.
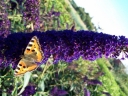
(109, 83)
(121, 78)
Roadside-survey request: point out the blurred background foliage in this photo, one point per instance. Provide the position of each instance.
(67, 76)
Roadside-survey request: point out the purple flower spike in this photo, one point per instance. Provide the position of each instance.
(31, 13)
(94, 82)
(29, 90)
(58, 92)
(86, 92)
(56, 13)
(64, 45)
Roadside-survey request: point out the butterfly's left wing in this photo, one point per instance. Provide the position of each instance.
(25, 66)
(34, 47)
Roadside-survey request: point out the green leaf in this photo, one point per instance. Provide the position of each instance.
(26, 81)
(14, 92)
(4, 93)
(41, 85)
(72, 87)
(0, 83)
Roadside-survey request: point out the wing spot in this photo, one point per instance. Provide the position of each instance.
(29, 45)
(32, 41)
(20, 64)
(18, 68)
(28, 49)
(16, 71)
(33, 50)
(24, 66)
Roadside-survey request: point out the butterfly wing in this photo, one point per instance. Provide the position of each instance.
(34, 47)
(25, 66)
(32, 54)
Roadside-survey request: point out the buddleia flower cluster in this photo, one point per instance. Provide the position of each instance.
(66, 45)
(31, 13)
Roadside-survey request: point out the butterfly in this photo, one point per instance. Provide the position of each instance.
(32, 55)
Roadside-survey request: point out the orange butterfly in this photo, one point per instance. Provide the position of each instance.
(32, 54)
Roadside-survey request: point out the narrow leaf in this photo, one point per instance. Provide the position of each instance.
(26, 81)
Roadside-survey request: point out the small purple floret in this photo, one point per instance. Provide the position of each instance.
(29, 90)
(58, 92)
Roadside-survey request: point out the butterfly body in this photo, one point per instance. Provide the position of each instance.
(32, 55)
